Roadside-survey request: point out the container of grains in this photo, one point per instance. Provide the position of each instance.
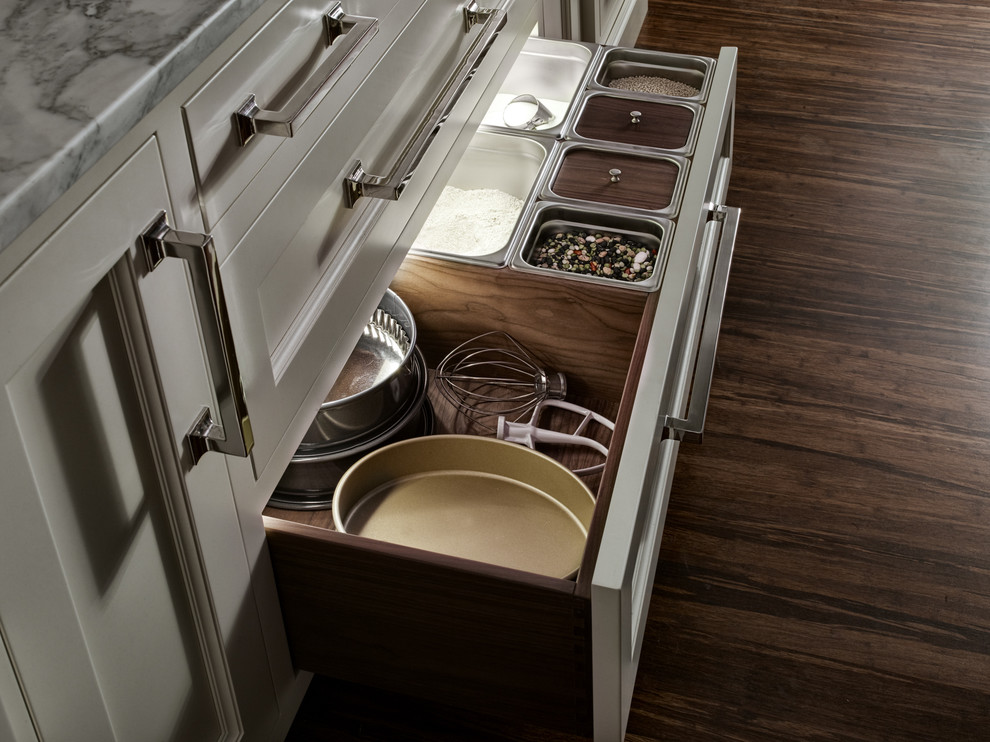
(654, 73)
(606, 248)
(479, 207)
(637, 121)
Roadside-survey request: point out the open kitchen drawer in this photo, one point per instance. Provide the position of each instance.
(557, 652)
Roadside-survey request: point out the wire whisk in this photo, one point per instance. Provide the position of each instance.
(493, 375)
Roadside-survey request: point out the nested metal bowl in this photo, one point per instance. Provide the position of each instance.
(470, 497)
(309, 481)
(376, 384)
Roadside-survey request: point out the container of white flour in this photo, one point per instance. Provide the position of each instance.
(474, 219)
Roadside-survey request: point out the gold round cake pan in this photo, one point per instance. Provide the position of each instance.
(475, 498)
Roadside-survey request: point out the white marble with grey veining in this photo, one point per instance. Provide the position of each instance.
(76, 75)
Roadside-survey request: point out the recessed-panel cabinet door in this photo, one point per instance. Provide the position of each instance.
(104, 609)
(15, 721)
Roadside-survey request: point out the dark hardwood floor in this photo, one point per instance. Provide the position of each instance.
(825, 568)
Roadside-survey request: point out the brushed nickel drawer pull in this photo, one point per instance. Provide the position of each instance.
(692, 426)
(474, 14)
(361, 183)
(251, 119)
(232, 434)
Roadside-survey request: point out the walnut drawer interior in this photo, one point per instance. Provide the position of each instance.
(473, 635)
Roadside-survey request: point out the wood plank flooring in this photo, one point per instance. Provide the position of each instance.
(825, 569)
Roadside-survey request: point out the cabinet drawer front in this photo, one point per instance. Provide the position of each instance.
(296, 75)
(630, 541)
(304, 277)
(473, 638)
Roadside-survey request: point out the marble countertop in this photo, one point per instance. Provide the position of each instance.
(77, 75)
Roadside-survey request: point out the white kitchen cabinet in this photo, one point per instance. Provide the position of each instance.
(282, 88)
(160, 616)
(111, 629)
(126, 344)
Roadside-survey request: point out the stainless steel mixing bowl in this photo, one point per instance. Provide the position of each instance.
(375, 385)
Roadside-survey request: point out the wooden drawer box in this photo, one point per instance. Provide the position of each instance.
(470, 634)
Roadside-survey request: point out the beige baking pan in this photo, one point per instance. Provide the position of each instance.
(476, 498)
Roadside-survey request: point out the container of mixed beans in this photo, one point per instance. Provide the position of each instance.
(605, 248)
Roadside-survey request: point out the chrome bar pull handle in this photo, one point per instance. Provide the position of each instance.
(474, 14)
(359, 182)
(250, 119)
(692, 426)
(231, 434)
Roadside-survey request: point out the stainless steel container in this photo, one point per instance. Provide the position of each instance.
(618, 63)
(545, 220)
(464, 225)
(552, 71)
